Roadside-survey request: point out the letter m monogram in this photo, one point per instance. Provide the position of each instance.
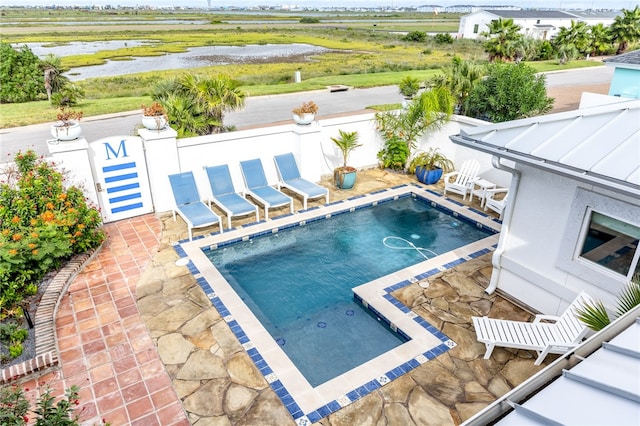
(116, 153)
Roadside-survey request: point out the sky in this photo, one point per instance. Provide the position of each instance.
(564, 4)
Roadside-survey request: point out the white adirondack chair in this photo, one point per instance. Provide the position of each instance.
(494, 204)
(463, 182)
(544, 337)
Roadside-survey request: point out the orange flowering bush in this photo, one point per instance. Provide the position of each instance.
(43, 223)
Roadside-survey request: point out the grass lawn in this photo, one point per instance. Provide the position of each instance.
(366, 51)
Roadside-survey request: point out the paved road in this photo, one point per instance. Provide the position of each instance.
(261, 110)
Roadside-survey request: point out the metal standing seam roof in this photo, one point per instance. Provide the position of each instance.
(603, 389)
(597, 383)
(599, 145)
(531, 14)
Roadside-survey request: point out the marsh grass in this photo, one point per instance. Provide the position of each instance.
(361, 54)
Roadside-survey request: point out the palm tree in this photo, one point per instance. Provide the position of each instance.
(502, 35)
(429, 111)
(525, 49)
(54, 81)
(459, 78)
(197, 105)
(566, 52)
(600, 39)
(626, 28)
(216, 95)
(185, 116)
(577, 37)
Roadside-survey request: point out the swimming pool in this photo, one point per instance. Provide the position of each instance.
(304, 401)
(298, 281)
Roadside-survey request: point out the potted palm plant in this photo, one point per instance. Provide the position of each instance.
(305, 113)
(408, 87)
(430, 165)
(154, 116)
(67, 126)
(345, 176)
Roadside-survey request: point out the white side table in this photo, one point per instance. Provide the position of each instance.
(479, 189)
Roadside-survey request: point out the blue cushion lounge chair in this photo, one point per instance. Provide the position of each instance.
(224, 195)
(188, 204)
(257, 186)
(290, 178)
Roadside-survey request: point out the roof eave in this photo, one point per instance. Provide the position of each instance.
(585, 176)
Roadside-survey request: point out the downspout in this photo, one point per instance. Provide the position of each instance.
(496, 260)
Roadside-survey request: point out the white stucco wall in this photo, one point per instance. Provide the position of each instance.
(528, 26)
(315, 153)
(537, 242)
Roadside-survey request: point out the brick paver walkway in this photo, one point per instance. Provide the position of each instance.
(105, 348)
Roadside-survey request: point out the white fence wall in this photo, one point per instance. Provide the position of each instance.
(315, 153)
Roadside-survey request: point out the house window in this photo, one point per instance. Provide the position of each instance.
(600, 241)
(538, 21)
(612, 244)
(475, 28)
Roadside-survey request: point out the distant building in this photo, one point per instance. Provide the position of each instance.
(537, 24)
(431, 8)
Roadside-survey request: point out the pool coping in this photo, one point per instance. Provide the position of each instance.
(305, 403)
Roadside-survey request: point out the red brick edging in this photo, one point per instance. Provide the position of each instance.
(46, 351)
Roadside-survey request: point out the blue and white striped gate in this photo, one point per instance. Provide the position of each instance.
(120, 174)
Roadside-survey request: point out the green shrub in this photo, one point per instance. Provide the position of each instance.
(20, 73)
(11, 332)
(417, 36)
(15, 350)
(15, 407)
(69, 95)
(42, 224)
(443, 38)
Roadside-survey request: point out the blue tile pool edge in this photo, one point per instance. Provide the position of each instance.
(286, 398)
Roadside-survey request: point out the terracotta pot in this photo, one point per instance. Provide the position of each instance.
(66, 132)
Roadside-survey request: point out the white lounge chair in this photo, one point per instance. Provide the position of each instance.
(257, 186)
(494, 204)
(543, 337)
(188, 205)
(290, 178)
(464, 178)
(224, 195)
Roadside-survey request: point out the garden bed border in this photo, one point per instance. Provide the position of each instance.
(46, 348)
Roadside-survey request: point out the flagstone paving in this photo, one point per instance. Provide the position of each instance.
(145, 346)
(218, 383)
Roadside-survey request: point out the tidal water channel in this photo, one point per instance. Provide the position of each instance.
(193, 58)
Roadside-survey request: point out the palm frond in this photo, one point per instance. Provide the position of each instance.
(630, 296)
(594, 315)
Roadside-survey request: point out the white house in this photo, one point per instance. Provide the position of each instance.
(537, 24)
(572, 222)
(430, 8)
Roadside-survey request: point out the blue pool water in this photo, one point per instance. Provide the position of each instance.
(298, 282)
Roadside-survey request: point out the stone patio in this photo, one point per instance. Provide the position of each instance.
(218, 384)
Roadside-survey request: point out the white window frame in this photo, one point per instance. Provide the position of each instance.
(569, 259)
(580, 246)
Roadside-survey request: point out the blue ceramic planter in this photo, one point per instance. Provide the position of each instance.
(345, 180)
(428, 177)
